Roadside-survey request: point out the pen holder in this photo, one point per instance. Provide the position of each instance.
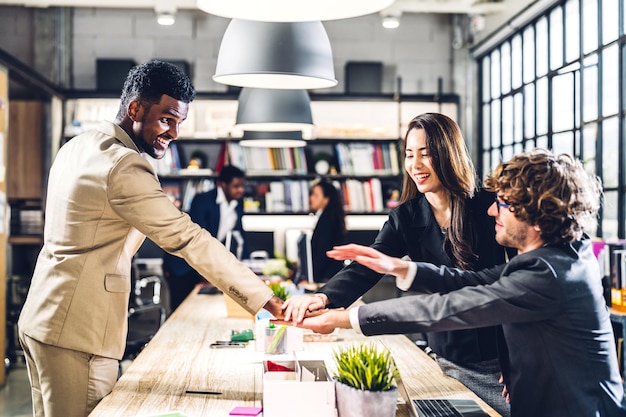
(275, 339)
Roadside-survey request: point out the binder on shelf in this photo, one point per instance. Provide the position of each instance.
(193, 187)
(393, 159)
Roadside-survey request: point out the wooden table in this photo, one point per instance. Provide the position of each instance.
(179, 360)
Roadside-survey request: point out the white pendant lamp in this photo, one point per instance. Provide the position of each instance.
(271, 110)
(292, 10)
(285, 55)
(272, 139)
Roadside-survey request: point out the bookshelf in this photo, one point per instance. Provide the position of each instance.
(356, 143)
(278, 179)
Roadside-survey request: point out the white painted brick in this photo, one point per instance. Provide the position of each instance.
(419, 51)
(210, 27)
(114, 46)
(174, 49)
(146, 25)
(205, 49)
(86, 44)
(365, 51)
(103, 24)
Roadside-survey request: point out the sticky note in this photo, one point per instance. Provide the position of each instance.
(246, 411)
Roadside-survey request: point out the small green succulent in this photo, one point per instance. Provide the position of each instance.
(366, 368)
(279, 290)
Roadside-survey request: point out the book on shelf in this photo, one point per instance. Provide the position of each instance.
(365, 158)
(363, 196)
(169, 164)
(259, 161)
(193, 187)
(287, 196)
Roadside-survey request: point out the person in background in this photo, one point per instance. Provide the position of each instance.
(219, 211)
(325, 201)
(548, 298)
(442, 219)
(103, 199)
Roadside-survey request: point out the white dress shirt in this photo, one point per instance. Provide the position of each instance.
(228, 214)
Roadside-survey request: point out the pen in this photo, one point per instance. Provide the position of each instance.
(203, 392)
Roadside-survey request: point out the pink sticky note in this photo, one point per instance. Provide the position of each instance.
(246, 411)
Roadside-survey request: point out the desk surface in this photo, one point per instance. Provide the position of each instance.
(178, 359)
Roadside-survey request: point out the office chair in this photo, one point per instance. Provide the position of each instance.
(148, 306)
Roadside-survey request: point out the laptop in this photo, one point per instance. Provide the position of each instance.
(439, 407)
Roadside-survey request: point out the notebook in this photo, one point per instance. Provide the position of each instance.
(439, 407)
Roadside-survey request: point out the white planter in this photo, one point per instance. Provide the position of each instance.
(352, 402)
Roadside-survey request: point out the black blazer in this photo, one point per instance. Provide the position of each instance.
(552, 310)
(325, 235)
(411, 229)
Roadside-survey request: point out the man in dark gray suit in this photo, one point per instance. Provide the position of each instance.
(562, 358)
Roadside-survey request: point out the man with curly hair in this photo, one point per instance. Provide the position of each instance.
(562, 358)
(103, 199)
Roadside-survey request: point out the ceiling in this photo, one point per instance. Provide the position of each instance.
(475, 7)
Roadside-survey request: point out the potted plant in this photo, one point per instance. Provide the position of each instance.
(364, 382)
(279, 290)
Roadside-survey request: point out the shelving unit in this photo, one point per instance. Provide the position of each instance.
(366, 172)
(355, 143)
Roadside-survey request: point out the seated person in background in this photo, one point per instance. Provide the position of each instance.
(325, 201)
(548, 298)
(219, 211)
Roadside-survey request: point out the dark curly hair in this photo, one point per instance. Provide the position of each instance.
(230, 172)
(552, 192)
(147, 82)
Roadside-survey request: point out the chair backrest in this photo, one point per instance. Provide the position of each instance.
(148, 306)
(146, 313)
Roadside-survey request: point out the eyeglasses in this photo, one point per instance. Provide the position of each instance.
(503, 205)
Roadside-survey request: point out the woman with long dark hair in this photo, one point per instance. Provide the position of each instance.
(442, 219)
(325, 201)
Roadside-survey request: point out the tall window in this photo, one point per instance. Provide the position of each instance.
(557, 83)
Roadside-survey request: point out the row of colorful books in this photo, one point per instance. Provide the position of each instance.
(287, 196)
(366, 158)
(357, 158)
(260, 160)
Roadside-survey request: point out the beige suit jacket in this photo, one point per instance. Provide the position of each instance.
(103, 199)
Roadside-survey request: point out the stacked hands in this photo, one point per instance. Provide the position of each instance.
(310, 312)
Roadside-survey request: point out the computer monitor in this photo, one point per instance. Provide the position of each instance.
(305, 258)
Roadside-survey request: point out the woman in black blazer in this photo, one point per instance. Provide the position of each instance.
(325, 201)
(442, 219)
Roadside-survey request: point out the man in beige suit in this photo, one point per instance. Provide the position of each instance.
(103, 199)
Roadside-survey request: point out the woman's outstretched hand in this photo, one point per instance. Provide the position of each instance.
(371, 258)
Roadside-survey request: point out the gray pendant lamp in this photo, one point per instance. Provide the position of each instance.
(284, 55)
(271, 110)
(272, 139)
(292, 10)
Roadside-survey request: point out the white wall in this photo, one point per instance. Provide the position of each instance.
(419, 51)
